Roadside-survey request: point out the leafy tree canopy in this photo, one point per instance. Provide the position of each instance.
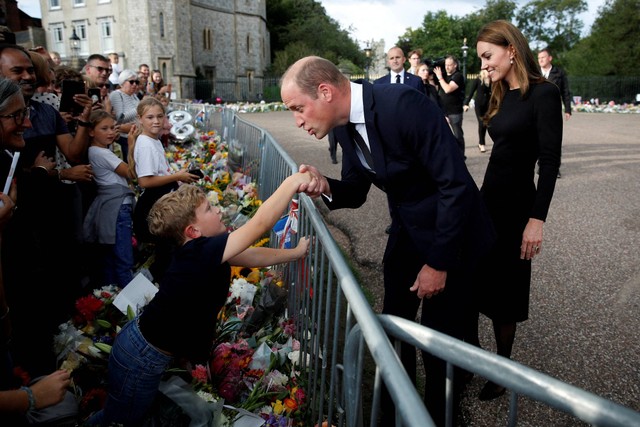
(302, 27)
(552, 23)
(612, 48)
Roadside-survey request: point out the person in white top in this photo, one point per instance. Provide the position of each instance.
(149, 165)
(116, 69)
(109, 219)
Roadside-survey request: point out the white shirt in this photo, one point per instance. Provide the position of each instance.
(356, 116)
(150, 158)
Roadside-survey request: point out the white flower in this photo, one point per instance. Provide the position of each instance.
(206, 396)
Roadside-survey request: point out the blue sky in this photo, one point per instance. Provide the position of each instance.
(381, 19)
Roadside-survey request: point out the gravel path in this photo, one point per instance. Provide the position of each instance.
(584, 325)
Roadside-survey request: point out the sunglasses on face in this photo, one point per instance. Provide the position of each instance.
(134, 82)
(102, 69)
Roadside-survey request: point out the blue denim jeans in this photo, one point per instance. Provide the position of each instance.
(135, 370)
(119, 260)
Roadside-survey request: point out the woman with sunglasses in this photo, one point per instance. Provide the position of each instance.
(124, 103)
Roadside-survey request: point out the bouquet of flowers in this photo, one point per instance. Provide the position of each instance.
(255, 365)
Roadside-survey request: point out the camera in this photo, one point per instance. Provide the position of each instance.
(437, 62)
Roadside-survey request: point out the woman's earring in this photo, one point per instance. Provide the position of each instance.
(511, 61)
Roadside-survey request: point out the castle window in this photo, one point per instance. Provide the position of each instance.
(106, 35)
(248, 44)
(54, 4)
(78, 3)
(161, 24)
(57, 38)
(207, 39)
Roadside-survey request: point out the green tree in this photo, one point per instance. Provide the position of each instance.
(552, 23)
(302, 27)
(613, 46)
(472, 23)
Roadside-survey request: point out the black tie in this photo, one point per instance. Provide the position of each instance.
(397, 78)
(361, 144)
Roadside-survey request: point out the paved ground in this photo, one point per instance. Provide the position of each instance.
(584, 325)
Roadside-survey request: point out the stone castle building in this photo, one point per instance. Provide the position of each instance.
(204, 48)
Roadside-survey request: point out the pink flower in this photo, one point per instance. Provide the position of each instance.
(200, 374)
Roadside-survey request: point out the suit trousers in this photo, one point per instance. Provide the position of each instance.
(447, 313)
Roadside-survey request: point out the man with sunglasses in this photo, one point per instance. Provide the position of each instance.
(41, 274)
(98, 70)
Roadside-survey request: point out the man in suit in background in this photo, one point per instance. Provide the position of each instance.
(396, 60)
(398, 140)
(557, 76)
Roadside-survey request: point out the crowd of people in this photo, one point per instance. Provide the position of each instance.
(69, 202)
(86, 181)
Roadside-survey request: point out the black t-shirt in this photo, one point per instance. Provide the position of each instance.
(181, 318)
(453, 101)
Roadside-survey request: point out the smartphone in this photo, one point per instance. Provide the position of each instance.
(94, 94)
(196, 172)
(69, 89)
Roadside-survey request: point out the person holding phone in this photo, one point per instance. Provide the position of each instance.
(41, 244)
(124, 103)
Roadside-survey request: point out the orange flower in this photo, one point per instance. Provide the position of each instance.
(290, 405)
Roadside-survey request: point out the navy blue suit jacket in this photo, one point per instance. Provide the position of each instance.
(410, 80)
(418, 164)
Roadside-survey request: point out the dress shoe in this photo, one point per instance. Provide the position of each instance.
(559, 174)
(388, 229)
(491, 391)
(481, 148)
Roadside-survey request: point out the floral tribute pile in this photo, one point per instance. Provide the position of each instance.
(254, 372)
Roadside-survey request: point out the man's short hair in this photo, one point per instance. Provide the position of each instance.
(97, 56)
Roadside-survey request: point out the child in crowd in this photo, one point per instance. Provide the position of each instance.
(180, 321)
(109, 219)
(148, 163)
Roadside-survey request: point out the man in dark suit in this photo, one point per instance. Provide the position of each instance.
(559, 78)
(396, 60)
(398, 140)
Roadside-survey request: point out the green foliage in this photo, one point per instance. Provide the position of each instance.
(612, 48)
(302, 27)
(552, 23)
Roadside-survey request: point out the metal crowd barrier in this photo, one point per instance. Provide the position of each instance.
(336, 324)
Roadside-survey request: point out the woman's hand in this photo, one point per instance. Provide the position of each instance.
(531, 239)
(51, 389)
(8, 205)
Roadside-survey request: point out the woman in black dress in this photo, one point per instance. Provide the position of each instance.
(525, 123)
(481, 88)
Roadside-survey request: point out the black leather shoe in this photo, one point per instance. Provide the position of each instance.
(388, 229)
(491, 391)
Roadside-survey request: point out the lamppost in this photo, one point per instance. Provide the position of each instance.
(74, 45)
(367, 52)
(464, 48)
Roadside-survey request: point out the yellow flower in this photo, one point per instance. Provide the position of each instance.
(278, 407)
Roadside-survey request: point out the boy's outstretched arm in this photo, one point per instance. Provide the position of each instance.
(266, 216)
(265, 257)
